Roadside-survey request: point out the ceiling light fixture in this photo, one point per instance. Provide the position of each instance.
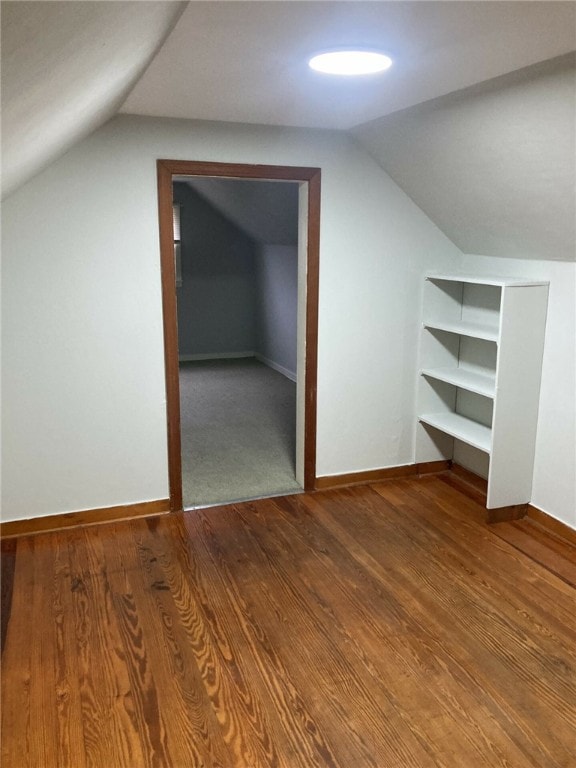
(350, 62)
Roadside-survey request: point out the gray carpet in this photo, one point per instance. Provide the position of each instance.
(238, 431)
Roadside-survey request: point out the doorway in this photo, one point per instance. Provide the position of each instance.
(308, 181)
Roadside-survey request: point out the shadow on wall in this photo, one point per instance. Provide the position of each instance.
(239, 294)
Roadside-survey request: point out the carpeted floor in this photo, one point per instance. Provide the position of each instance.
(238, 431)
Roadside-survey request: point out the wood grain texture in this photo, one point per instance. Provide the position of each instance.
(15, 528)
(543, 545)
(382, 626)
(552, 525)
(477, 488)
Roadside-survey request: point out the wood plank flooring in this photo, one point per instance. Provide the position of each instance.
(382, 626)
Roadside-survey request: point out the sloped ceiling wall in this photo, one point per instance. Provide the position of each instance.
(66, 69)
(493, 165)
(266, 210)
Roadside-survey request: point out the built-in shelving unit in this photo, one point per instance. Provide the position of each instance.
(479, 384)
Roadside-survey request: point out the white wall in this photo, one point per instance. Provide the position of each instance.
(554, 485)
(84, 400)
(277, 292)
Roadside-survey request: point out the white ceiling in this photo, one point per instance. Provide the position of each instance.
(247, 61)
(66, 69)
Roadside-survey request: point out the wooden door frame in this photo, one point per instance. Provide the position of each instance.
(166, 169)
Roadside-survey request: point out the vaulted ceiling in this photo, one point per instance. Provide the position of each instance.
(247, 61)
(67, 67)
(493, 165)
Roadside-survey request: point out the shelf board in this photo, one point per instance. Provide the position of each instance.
(464, 328)
(470, 432)
(485, 280)
(472, 381)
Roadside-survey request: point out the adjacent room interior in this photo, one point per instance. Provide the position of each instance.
(236, 242)
(408, 598)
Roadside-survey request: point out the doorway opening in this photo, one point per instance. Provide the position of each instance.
(206, 179)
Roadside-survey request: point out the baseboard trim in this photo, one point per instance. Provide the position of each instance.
(329, 482)
(506, 514)
(480, 484)
(552, 525)
(276, 366)
(433, 467)
(51, 523)
(214, 356)
(476, 488)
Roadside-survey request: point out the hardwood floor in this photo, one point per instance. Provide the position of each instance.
(381, 626)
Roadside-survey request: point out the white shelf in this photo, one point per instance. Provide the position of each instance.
(470, 432)
(464, 328)
(487, 280)
(480, 363)
(481, 384)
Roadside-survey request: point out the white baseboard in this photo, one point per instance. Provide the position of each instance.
(280, 368)
(214, 356)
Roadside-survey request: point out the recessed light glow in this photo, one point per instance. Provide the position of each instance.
(350, 62)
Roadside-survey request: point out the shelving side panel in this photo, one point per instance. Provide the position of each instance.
(442, 300)
(519, 366)
(434, 397)
(475, 407)
(481, 304)
(471, 458)
(433, 445)
(478, 356)
(437, 349)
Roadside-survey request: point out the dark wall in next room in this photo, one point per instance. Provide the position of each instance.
(217, 299)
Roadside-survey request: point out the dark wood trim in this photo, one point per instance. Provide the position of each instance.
(170, 322)
(378, 475)
(433, 467)
(506, 514)
(551, 524)
(239, 170)
(8, 566)
(480, 484)
(48, 523)
(312, 289)
(471, 484)
(476, 487)
(312, 176)
(363, 478)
